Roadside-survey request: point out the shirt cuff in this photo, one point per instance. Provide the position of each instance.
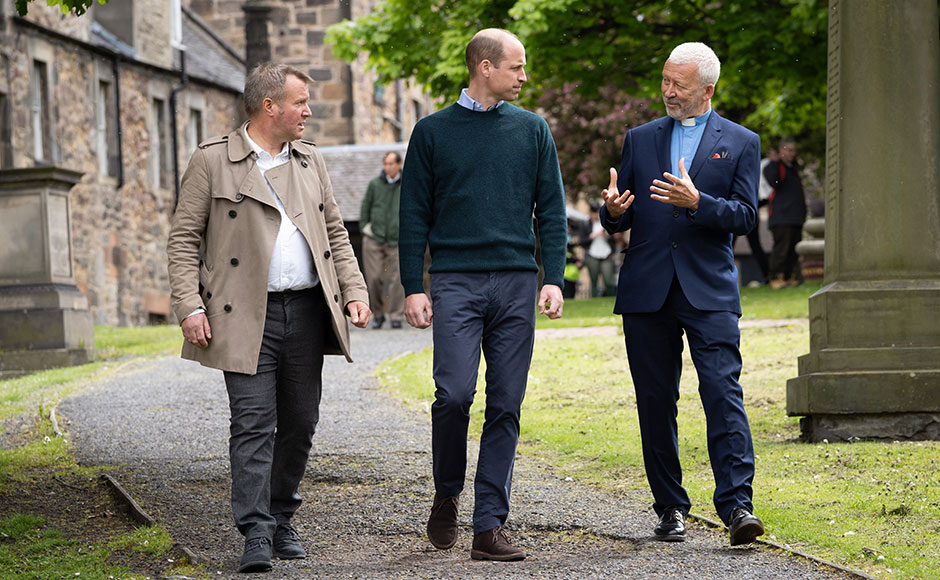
(195, 312)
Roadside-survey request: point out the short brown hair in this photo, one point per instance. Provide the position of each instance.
(486, 44)
(267, 81)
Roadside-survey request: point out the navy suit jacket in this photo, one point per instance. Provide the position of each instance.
(668, 241)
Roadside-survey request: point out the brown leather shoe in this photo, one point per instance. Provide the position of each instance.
(494, 545)
(442, 525)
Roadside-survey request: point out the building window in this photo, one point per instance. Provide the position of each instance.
(6, 134)
(418, 109)
(40, 118)
(159, 145)
(194, 135)
(378, 93)
(108, 158)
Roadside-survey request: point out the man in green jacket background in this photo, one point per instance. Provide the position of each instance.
(379, 219)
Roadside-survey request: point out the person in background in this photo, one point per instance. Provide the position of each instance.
(786, 212)
(598, 253)
(379, 216)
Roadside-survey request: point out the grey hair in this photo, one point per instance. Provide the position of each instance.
(267, 81)
(709, 67)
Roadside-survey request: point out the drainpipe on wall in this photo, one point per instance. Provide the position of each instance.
(120, 127)
(184, 82)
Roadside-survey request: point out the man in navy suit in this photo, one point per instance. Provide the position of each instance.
(678, 275)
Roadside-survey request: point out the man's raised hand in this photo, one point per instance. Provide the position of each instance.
(616, 202)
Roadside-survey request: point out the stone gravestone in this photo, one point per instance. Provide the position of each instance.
(44, 318)
(873, 370)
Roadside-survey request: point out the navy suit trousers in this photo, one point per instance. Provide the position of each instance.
(495, 311)
(654, 350)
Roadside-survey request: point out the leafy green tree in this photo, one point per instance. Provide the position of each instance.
(773, 51)
(76, 7)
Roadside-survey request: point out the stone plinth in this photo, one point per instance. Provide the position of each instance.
(873, 370)
(44, 318)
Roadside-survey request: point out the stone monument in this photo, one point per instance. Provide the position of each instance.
(44, 317)
(873, 371)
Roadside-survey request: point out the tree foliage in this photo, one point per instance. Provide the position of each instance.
(76, 7)
(773, 51)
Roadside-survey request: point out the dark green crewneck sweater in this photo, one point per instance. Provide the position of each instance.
(470, 186)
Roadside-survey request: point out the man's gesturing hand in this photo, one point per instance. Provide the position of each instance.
(418, 310)
(359, 313)
(616, 203)
(196, 330)
(681, 192)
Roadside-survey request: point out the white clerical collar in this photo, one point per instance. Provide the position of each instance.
(693, 121)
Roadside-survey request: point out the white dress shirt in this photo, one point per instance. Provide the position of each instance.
(292, 261)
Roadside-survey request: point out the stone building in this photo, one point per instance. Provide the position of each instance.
(124, 94)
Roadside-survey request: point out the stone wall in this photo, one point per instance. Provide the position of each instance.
(119, 230)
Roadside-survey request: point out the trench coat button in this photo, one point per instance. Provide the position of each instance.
(208, 295)
(303, 162)
(321, 207)
(675, 214)
(675, 244)
(326, 254)
(336, 298)
(232, 213)
(227, 308)
(234, 261)
(239, 196)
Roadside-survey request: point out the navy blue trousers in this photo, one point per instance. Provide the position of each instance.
(654, 350)
(494, 311)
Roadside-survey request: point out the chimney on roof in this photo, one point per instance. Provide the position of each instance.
(258, 29)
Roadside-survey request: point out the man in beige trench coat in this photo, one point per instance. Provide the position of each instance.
(261, 271)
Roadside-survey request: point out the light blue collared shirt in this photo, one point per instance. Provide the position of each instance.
(468, 102)
(686, 136)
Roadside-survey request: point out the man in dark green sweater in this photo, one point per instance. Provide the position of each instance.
(379, 218)
(475, 175)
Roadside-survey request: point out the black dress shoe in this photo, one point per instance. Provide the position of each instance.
(257, 555)
(671, 526)
(744, 527)
(396, 324)
(378, 321)
(287, 543)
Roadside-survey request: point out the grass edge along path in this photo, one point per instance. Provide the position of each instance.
(73, 536)
(868, 506)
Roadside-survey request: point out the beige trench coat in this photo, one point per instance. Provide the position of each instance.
(226, 214)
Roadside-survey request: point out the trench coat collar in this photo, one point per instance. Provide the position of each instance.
(239, 148)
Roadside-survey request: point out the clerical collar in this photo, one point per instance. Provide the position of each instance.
(692, 121)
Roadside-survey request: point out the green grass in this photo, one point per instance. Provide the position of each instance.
(31, 547)
(32, 551)
(755, 302)
(47, 388)
(870, 506)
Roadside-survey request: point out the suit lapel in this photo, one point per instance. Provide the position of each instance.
(707, 145)
(663, 143)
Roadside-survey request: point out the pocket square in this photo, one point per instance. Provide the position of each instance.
(722, 155)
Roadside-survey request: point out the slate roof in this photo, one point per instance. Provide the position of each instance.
(208, 57)
(351, 167)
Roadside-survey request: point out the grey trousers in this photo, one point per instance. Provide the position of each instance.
(275, 413)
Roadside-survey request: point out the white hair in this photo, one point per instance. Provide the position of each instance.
(709, 67)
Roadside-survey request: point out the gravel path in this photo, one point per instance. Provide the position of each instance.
(163, 425)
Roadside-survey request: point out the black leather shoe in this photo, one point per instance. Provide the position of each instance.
(744, 526)
(671, 526)
(378, 321)
(442, 525)
(396, 324)
(287, 543)
(257, 555)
